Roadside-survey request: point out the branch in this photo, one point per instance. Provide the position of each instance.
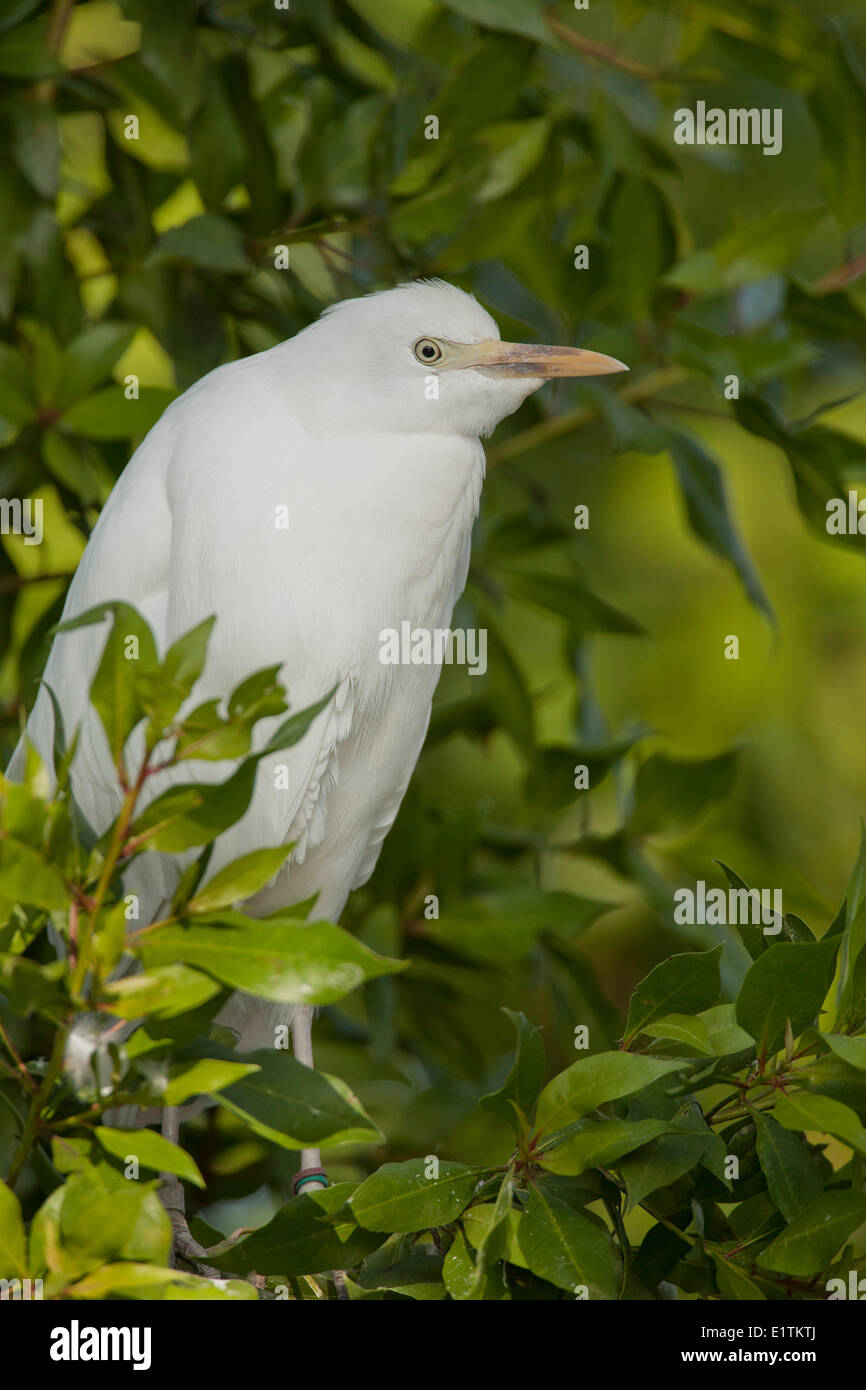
(840, 277)
(602, 52)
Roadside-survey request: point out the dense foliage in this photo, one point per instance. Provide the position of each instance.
(701, 1117)
(191, 182)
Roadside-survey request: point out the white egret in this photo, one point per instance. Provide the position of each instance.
(366, 427)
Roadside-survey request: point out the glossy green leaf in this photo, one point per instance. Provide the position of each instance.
(239, 880)
(792, 1176)
(414, 1195)
(594, 1081)
(809, 1243)
(314, 1231)
(151, 1282)
(850, 1050)
(284, 959)
(204, 1077)
(683, 984)
(26, 877)
(803, 1111)
(13, 1256)
(787, 982)
(519, 1091)
(152, 1151)
(598, 1144)
(295, 1107)
(164, 992)
(564, 1247)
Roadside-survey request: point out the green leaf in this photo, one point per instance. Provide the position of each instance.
(850, 1050)
(129, 649)
(598, 1144)
(803, 1111)
(572, 600)
(505, 925)
(788, 982)
(853, 936)
(210, 241)
(638, 246)
(25, 877)
(152, 1282)
(293, 729)
(401, 1197)
(458, 1269)
(13, 1258)
(683, 984)
(853, 1009)
(163, 691)
(152, 1151)
(703, 488)
(33, 988)
(194, 813)
(239, 880)
(94, 1217)
(494, 1243)
(479, 1222)
(793, 1179)
(669, 791)
(564, 1247)
(819, 457)
(313, 1232)
(751, 251)
(280, 958)
(514, 148)
(661, 1163)
(809, 1243)
(683, 1029)
(733, 1283)
(24, 53)
(184, 817)
(18, 402)
(523, 1082)
(419, 1276)
(717, 1027)
(164, 992)
(296, 1107)
(751, 934)
(206, 733)
(508, 16)
(89, 358)
(111, 414)
(204, 1077)
(594, 1081)
(78, 466)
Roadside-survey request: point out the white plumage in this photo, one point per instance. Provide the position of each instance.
(376, 453)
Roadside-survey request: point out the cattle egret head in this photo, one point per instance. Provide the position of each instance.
(427, 355)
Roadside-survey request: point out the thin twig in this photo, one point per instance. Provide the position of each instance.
(602, 52)
(17, 1059)
(840, 277)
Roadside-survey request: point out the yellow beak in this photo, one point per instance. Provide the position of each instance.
(531, 359)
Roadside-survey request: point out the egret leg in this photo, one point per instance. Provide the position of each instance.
(311, 1172)
(183, 1243)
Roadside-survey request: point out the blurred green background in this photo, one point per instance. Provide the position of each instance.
(153, 257)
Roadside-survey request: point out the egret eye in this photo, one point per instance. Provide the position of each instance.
(427, 350)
